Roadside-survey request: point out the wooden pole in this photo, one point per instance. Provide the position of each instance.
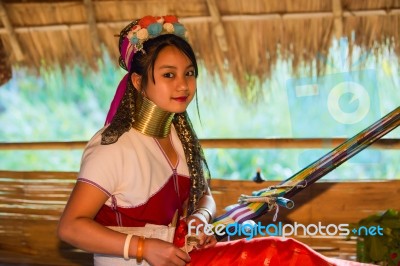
(337, 15)
(218, 27)
(8, 28)
(91, 18)
(283, 143)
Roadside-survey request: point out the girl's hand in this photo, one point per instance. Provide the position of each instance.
(159, 253)
(206, 237)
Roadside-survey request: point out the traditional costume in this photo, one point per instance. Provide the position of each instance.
(142, 184)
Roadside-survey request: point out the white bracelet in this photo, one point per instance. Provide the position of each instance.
(126, 246)
(206, 210)
(199, 215)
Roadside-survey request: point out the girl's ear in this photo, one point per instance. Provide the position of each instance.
(136, 81)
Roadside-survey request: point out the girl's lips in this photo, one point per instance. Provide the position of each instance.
(180, 99)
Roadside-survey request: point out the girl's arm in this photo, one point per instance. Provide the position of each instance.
(77, 227)
(204, 214)
(207, 202)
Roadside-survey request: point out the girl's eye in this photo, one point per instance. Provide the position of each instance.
(168, 75)
(190, 73)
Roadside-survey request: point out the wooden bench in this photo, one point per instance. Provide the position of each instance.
(32, 202)
(30, 206)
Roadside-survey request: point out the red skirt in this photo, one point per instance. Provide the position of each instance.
(262, 251)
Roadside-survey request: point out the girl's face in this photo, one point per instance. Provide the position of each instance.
(175, 81)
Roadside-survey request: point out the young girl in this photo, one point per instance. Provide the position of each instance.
(145, 167)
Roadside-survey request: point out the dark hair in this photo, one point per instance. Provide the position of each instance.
(143, 63)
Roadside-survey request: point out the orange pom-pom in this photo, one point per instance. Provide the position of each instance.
(146, 21)
(170, 19)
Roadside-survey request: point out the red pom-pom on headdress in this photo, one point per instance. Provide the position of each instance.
(170, 19)
(146, 21)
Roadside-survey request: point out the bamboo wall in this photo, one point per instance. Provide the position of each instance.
(31, 204)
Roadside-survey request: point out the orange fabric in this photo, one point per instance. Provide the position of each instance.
(271, 251)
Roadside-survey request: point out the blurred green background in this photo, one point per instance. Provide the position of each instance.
(71, 105)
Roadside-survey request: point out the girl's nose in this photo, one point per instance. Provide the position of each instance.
(183, 84)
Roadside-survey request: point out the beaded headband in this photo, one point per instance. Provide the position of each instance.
(147, 28)
(131, 40)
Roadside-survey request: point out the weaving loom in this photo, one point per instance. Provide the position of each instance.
(251, 207)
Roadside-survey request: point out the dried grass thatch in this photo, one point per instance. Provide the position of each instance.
(239, 37)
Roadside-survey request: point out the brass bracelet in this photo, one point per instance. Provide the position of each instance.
(139, 251)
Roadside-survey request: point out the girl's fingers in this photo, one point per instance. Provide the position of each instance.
(210, 242)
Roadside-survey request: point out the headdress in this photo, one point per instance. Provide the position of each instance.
(150, 27)
(131, 41)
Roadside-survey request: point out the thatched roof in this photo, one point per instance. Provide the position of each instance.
(241, 37)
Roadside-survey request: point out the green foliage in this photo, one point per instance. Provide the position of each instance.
(72, 104)
(381, 248)
(56, 105)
